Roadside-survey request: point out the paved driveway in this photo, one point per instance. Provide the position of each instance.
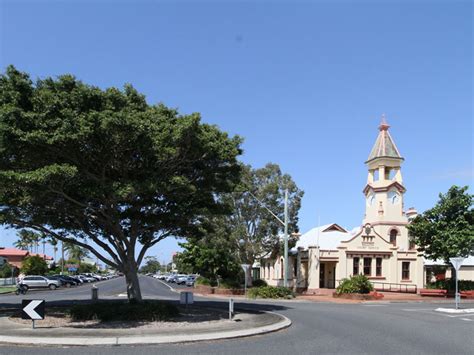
(318, 328)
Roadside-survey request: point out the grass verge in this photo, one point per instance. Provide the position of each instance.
(7, 289)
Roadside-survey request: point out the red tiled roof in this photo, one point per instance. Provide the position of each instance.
(13, 252)
(42, 256)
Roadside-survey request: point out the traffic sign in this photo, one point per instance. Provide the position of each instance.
(457, 262)
(32, 309)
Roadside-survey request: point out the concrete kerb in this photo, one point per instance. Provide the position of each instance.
(148, 339)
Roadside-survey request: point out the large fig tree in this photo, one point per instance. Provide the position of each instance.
(106, 171)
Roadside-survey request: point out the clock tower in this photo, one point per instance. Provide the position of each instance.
(384, 190)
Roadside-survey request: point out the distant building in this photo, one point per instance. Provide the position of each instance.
(16, 256)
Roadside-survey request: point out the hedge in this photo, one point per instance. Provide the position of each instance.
(450, 285)
(270, 292)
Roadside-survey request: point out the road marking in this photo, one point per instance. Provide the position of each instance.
(374, 305)
(417, 309)
(467, 319)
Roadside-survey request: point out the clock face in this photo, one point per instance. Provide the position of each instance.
(370, 199)
(393, 197)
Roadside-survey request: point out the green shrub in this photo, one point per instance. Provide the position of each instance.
(115, 311)
(34, 265)
(270, 292)
(355, 284)
(229, 283)
(6, 271)
(450, 285)
(201, 280)
(259, 283)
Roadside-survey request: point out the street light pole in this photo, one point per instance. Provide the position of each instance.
(285, 236)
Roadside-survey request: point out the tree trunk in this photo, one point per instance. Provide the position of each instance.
(133, 285)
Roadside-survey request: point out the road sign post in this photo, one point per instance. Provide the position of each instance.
(457, 262)
(246, 268)
(32, 309)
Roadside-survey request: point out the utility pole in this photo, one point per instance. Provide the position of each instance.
(285, 237)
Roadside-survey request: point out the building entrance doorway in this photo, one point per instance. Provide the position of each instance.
(322, 272)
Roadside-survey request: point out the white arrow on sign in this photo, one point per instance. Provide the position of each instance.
(30, 309)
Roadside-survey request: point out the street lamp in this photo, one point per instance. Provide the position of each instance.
(285, 236)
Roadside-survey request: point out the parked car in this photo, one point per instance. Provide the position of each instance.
(36, 281)
(86, 278)
(65, 280)
(190, 280)
(170, 278)
(181, 279)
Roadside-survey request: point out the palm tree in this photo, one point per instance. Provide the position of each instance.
(27, 239)
(76, 252)
(54, 243)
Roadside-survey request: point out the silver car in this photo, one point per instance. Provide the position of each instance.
(36, 281)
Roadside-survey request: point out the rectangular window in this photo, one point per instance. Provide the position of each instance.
(406, 270)
(355, 269)
(367, 266)
(378, 267)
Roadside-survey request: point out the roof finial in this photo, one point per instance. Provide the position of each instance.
(384, 126)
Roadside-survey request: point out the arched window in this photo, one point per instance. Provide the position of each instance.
(281, 269)
(268, 273)
(393, 237)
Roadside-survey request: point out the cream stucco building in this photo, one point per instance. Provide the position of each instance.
(380, 248)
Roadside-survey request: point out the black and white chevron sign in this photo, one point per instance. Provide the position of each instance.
(32, 309)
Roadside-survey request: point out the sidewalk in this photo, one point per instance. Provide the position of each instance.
(243, 324)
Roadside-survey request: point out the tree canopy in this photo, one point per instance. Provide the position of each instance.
(34, 265)
(447, 229)
(250, 231)
(152, 265)
(106, 171)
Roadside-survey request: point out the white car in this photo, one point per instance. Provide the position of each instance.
(36, 281)
(181, 279)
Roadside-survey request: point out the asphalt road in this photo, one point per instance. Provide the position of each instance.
(318, 328)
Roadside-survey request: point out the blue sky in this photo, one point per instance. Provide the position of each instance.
(305, 83)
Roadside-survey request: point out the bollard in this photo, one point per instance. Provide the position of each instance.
(95, 293)
(231, 308)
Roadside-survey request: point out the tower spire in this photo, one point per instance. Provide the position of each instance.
(384, 146)
(384, 126)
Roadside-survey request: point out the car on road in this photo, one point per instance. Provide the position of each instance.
(36, 281)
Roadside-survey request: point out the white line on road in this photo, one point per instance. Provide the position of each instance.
(374, 305)
(468, 320)
(417, 309)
